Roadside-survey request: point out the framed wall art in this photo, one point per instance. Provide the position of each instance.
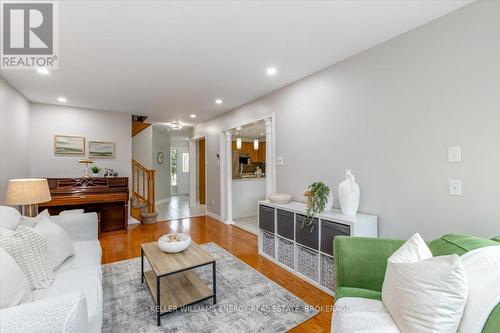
(69, 145)
(100, 149)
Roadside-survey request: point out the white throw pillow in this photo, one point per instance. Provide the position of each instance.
(413, 250)
(32, 221)
(482, 267)
(424, 296)
(71, 212)
(14, 285)
(58, 242)
(29, 250)
(9, 217)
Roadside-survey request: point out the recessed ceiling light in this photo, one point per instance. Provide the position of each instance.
(193, 116)
(261, 134)
(218, 101)
(271, 71)
(43, 71)
(238, 128)
(62, 99)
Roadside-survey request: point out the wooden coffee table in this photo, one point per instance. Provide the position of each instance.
(172, 282)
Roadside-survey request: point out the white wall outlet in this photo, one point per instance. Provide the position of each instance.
(455, 187)
(279, 160)
(454, 154)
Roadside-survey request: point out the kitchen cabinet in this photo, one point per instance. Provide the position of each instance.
(261, 156)
(247, 150)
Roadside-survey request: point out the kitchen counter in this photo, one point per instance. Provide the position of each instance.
(246, 193)
(249, 178)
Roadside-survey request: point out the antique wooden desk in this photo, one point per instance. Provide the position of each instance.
(108, 197)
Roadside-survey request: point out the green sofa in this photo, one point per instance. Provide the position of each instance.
(361, 263)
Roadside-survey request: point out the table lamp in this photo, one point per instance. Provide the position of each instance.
(28, 193)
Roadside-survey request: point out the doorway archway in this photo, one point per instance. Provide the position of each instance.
(227, 164)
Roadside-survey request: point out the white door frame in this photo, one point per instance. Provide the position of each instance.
(226, 170)
(193, 161)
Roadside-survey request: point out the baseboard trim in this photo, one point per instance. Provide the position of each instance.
(159, 202)
(215, 216)
(133, 220)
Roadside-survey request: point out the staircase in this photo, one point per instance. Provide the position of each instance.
(142, 201)
(138, 124)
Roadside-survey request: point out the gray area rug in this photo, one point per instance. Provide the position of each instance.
(247, 301)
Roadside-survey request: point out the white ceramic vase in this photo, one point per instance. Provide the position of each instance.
(349, 194)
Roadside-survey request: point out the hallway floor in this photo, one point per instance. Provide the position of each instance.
(178, 208)
(247, 223)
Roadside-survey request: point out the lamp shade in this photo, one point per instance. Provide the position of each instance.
(27, 191)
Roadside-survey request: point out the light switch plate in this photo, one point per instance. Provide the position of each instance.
(454, 154)
(455, 187)
(279, 160)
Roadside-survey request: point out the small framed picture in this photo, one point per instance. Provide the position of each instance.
(99, 149)
(69, 145)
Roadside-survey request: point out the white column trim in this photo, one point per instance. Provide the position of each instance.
(269, 156)
(229, 178)
(222, 177)
(192, 174)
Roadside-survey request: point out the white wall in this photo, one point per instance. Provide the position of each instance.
(48, 120)
(161, 143)
(179, 141)
(389, 114)
(142, 147)
(14, 136)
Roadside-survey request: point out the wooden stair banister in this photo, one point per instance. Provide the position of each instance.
(143, 184)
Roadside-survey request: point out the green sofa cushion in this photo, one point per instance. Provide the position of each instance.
(493, 323)
(357, 292)
(457, 244)
(361, 261)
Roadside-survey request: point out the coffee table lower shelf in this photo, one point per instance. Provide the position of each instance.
(177, 290)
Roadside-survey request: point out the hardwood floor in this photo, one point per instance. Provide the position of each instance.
(121, 245)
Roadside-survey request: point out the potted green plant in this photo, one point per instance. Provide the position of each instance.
(319, 199)
(95, 170)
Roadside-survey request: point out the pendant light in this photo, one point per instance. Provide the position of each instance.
(255, 144)
(238, 143)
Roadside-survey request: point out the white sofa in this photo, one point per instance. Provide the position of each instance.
(355, 314)
(73, 303)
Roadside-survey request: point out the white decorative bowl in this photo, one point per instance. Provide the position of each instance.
(280, 198)
(181, 242)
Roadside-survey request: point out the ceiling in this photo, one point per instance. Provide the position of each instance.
(253, 130)
(171, 59)
(184, 132)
